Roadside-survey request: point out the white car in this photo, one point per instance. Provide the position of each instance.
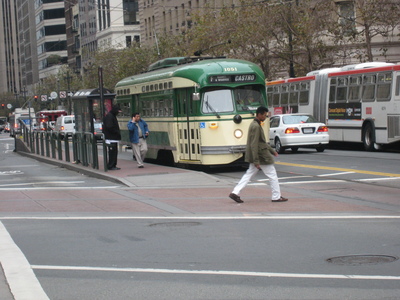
(297, 130)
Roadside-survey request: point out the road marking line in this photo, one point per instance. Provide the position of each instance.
(237, 217)
(313, 181)
(339, 169)
(283, 178)
(377, 179)
(218, 272)
(60, 188)
(335, 174)
(20, 277)
(41, 182)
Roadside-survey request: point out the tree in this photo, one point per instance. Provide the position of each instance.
(363, 21)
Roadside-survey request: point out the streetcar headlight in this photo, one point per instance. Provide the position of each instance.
(238, 133)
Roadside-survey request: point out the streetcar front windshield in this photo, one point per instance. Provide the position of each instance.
(247, 98)
(244, 98)
(217, 101)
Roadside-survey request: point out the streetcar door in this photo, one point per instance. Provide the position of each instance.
(188, 129)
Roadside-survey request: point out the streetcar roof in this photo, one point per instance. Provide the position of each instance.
(198, 72)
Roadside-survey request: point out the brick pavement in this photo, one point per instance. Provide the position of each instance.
(160, 190)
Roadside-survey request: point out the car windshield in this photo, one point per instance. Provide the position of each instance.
(297, 119)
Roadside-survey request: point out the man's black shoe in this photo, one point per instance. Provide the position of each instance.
(114, 168)
(281, 199)
(235, 197)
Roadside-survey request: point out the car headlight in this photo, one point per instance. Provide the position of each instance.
(238, 133)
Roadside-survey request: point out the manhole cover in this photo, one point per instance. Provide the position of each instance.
(355, 260)
(175, 224)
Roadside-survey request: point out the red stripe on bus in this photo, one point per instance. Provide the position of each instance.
(288, 80)
(366, 70)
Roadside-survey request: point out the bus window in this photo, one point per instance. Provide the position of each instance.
(354, 89)
(368, 93)
(293, 98)
(275, 100)
(304, 93)
(217, 101)
(341, 91)
(284, 99)
(332, 93)
(383, 87)
(397, 92)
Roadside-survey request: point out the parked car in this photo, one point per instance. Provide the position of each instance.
(2, 125)
(7, 127)
(65, 125)
(297, 130)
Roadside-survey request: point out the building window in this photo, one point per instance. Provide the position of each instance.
(131, 10)
(347, 17)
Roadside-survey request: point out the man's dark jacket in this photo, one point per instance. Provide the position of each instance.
(110, 125)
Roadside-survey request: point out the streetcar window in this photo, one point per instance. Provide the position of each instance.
(217, 101)
(247, 97)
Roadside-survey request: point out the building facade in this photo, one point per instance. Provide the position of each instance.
(10, 77)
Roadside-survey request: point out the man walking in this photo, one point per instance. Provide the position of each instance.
(112, 135)
(138, 132)
(259, 154)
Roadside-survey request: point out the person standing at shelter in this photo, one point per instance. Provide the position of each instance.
(112, 135)
(259, 154)
(138, 132)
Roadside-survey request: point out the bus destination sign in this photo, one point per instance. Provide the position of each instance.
(232, 78)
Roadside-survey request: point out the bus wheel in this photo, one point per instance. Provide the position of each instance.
(278, 146)
(368, 138)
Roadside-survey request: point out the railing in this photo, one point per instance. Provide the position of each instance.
(83, 145)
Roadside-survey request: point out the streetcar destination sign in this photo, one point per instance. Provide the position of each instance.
(232, 78)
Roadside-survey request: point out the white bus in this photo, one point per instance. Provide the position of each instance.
(359, 103)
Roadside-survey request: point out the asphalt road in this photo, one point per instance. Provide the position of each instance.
(279, 254)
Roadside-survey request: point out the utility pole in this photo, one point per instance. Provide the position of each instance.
(68, 78)
(58, 93)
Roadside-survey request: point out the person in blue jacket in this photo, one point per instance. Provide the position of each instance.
(138, 132)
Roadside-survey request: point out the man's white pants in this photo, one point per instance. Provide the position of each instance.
(139, 150)
(269, 171)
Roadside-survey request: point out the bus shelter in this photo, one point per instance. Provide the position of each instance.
(90, 107)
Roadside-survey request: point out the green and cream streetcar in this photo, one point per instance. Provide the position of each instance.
(198, 109)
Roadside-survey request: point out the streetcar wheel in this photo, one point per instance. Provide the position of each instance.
(368, 138)
(278, 146)
(295, 149)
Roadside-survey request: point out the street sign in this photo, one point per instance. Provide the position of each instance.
(9, 106)
(63, 94)
(53, 95)
(43, 98)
